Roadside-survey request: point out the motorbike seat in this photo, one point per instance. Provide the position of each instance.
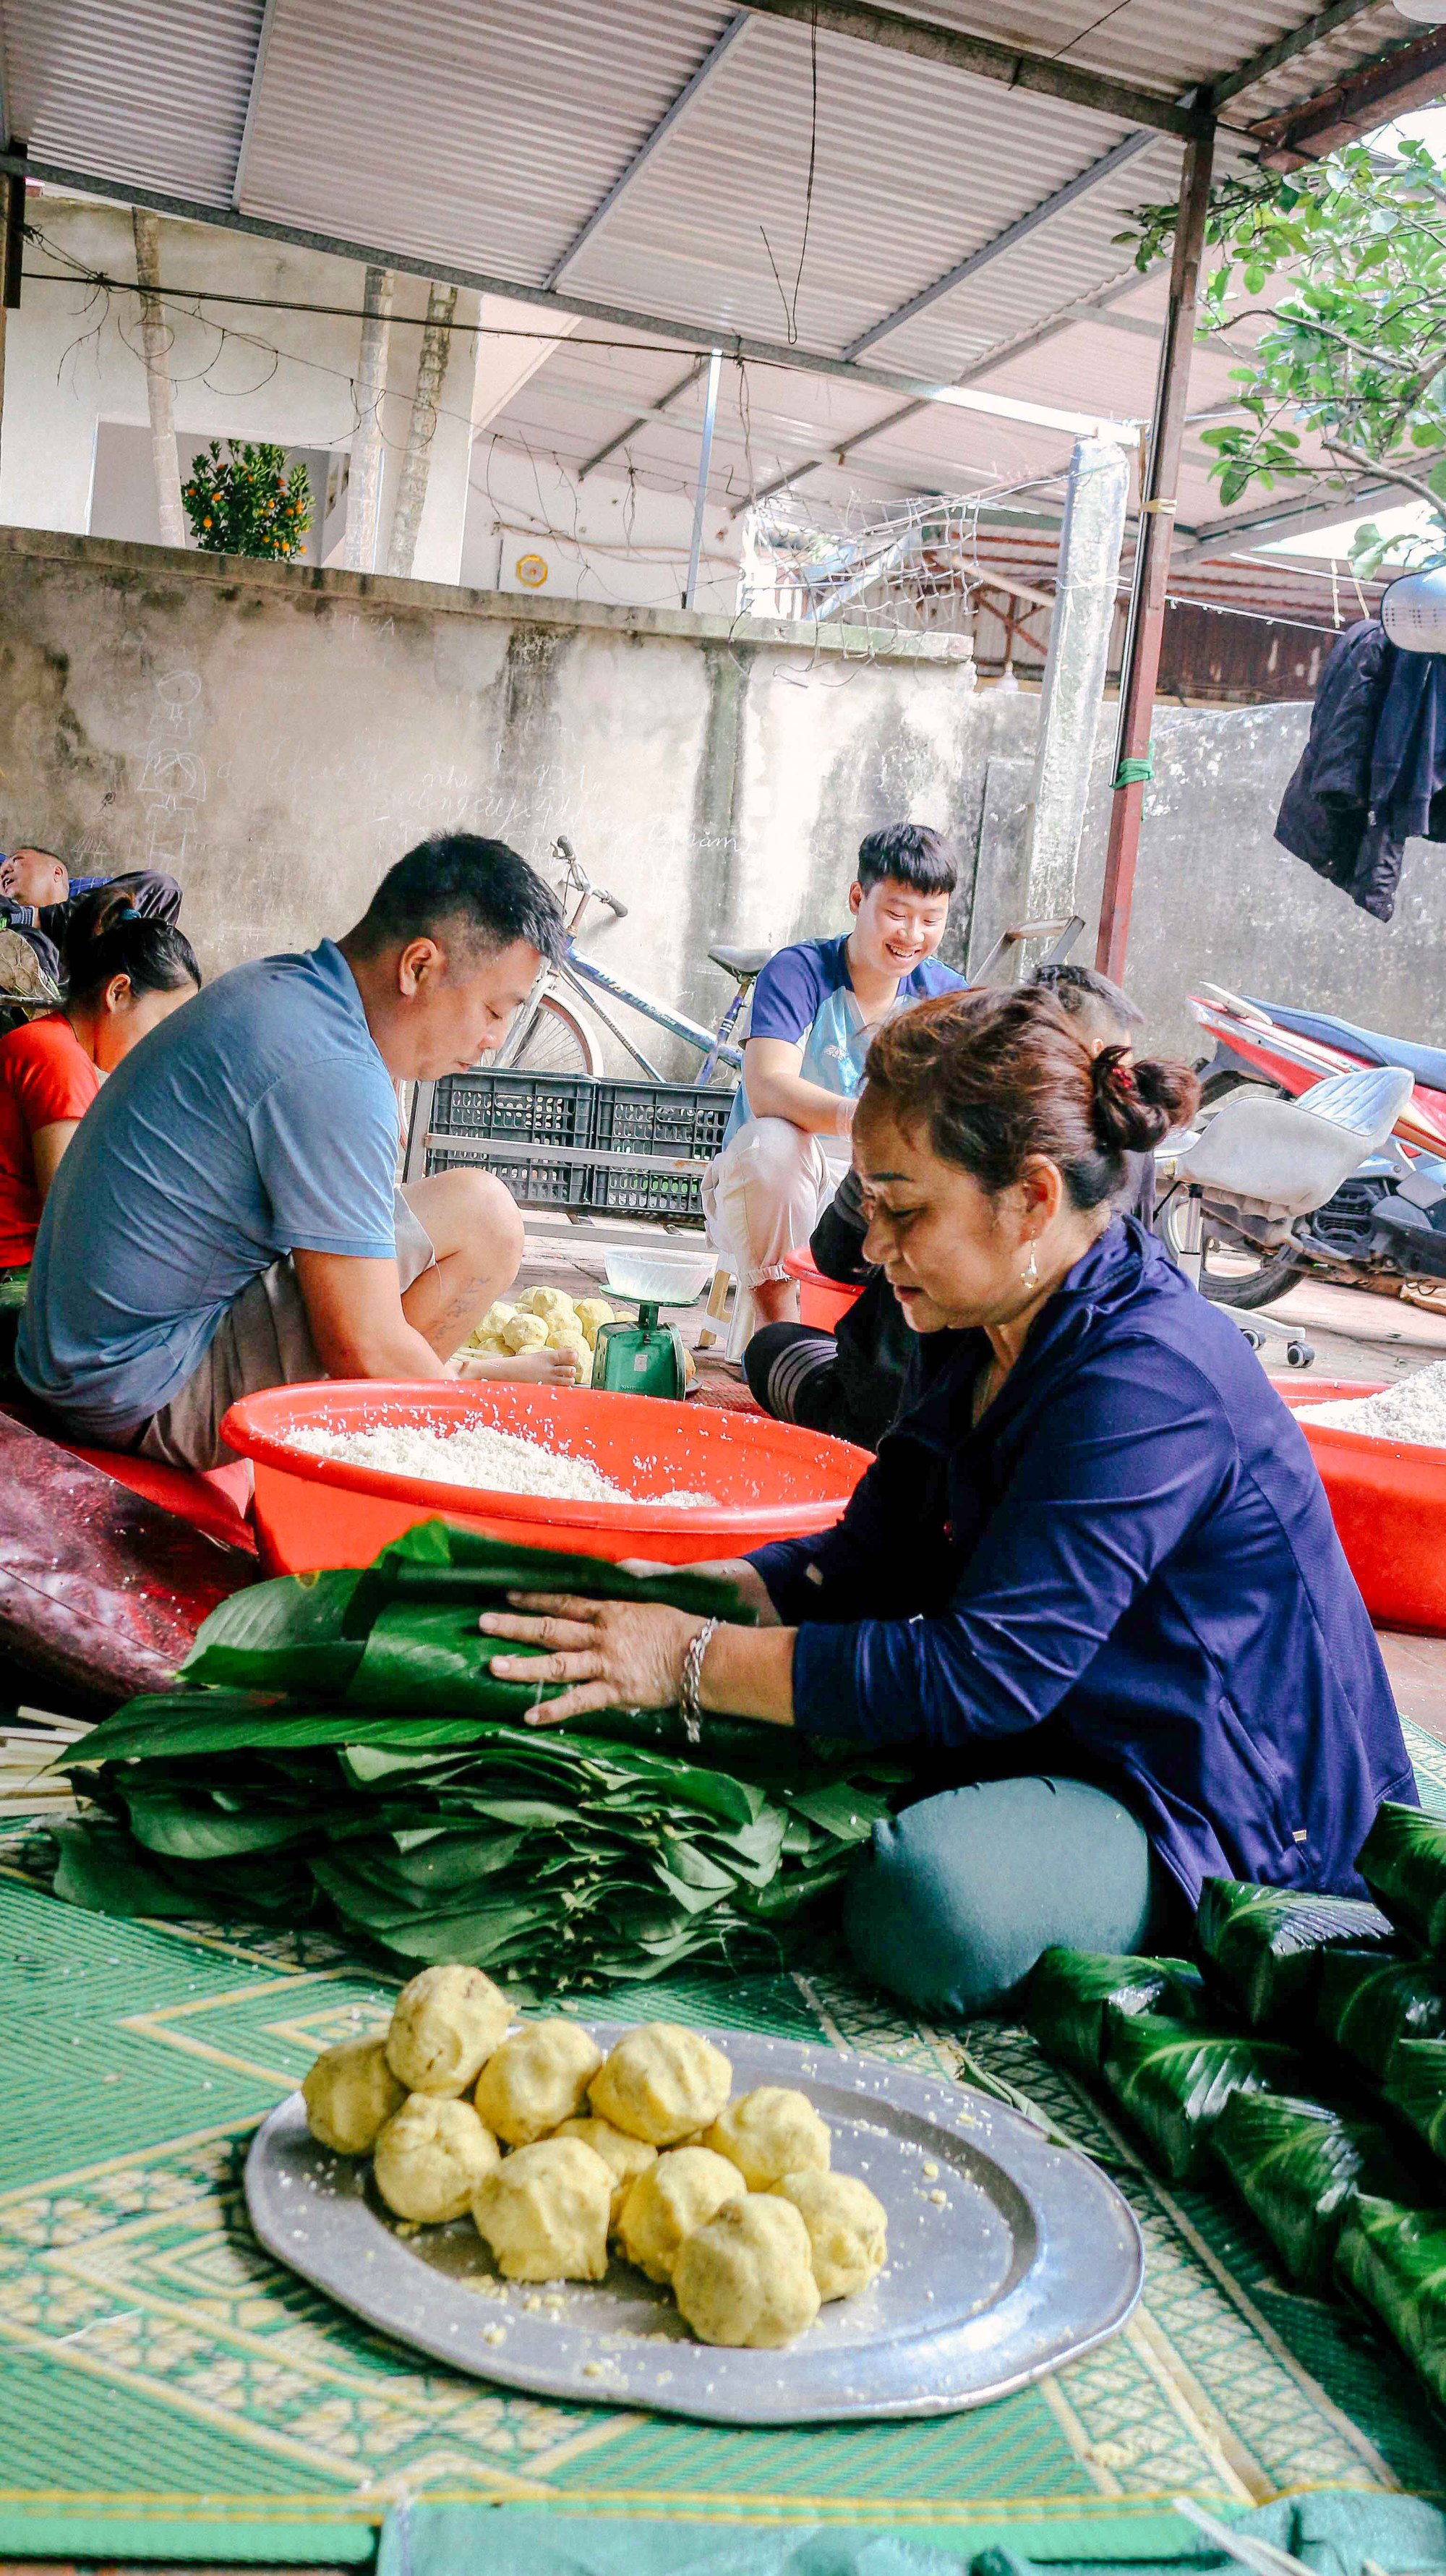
(1283, 1158)
(1428, 1064)
(745, 963)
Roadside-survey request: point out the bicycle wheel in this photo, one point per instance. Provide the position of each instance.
(559, 1041)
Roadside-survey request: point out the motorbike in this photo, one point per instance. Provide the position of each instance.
(1386, 1224)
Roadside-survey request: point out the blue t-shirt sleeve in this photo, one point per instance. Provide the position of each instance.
(326, 1149)
(788, 995)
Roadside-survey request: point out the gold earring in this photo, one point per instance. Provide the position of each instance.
(1031, 1270)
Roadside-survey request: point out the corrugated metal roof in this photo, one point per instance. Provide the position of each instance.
(134, 89)
(455, 131)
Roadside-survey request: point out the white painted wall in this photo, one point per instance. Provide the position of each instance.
(73, 368)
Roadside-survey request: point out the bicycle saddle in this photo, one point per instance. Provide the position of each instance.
(745, 963)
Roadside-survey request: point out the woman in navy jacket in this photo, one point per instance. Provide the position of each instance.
(1091, 1582)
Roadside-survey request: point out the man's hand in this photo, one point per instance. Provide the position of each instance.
(776, 1089)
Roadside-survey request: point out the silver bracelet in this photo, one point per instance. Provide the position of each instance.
(690, 1680)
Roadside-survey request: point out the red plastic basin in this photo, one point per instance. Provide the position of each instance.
(772, 1480)
(1388, 1502)
(821, 1301)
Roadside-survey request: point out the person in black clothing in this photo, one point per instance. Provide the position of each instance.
(851, 1382)
(38, 895)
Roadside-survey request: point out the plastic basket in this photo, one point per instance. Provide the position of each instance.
(529, 1108)
(682, 1118)
(535, 1180)
(612, 1187)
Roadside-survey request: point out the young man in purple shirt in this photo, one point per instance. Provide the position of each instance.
(816, 1006)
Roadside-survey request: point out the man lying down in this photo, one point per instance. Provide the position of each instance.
(227, 1219)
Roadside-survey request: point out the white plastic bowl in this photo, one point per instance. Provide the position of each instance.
(673, 1278)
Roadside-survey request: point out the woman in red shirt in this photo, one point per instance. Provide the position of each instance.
(123, 975)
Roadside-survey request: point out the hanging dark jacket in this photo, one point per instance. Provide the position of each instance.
(1373, 772)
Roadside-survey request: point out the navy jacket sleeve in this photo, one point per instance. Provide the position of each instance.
(1111, 1472)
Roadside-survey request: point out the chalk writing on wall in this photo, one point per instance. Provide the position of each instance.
(173, 778)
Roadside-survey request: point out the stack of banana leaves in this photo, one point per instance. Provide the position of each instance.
(338, 1750)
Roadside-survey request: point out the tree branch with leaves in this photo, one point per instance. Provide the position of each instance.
(1353, 355)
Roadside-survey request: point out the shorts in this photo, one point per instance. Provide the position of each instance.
(263, 1340)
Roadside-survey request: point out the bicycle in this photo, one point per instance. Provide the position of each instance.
(549, 1035)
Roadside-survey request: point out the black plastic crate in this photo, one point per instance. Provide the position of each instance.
(536, 1180)
(526, 1108)
(660, 1118)
(611, 1187)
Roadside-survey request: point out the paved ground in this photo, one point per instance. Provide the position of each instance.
(1354, 1336)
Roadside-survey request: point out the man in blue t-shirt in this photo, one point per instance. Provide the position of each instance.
(815, 1008)
(226, 1217)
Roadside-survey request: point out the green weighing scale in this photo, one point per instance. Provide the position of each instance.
(645, 1358)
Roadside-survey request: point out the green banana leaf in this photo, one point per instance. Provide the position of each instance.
(1267, 1943)
(1299, 2165)
(1366, 2007)
(1415, 2085)
(1393, 2259)
(430, 1656)
(1070, 1992)
(375, 1775)
(1174, 2081)
(1403, 1862)
(290, 1634)
(435, 1558)
(180, 1828)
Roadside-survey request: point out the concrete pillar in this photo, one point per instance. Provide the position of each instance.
(364, 484)
(436, 349)
(156, 339)
(1074, 672)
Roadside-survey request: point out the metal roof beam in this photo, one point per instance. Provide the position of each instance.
(664, 127)
(1020, 230)
(931, 42)
(1301, 40)
(705, 336)
(1407, 76)
(1254, 527)
(253, 97)
(1090, 310)
(591, 463)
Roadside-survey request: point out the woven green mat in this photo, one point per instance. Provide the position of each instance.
(165, 2389)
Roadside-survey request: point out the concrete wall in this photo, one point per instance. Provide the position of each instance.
(1216, 896)
(277, 737)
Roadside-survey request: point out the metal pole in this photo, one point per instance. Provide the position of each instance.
(705, 456)
(1141, 666)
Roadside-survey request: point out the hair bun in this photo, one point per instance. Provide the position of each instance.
(1135, 1106)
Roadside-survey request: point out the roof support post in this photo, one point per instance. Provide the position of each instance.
(411, 498)
(1152, 563)
(1074, 673)
(13, 205)
(156, 347)
(705, 459)
(364, 480)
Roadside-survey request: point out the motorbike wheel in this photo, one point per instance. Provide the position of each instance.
(1230, 1275)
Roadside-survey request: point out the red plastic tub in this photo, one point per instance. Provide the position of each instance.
(1388, 1502)
(821, 1301)
(772, 1479)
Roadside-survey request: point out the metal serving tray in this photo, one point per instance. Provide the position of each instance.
(1007, 2257)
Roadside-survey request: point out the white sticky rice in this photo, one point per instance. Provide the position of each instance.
(1413, 1411)
(497, 1461)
